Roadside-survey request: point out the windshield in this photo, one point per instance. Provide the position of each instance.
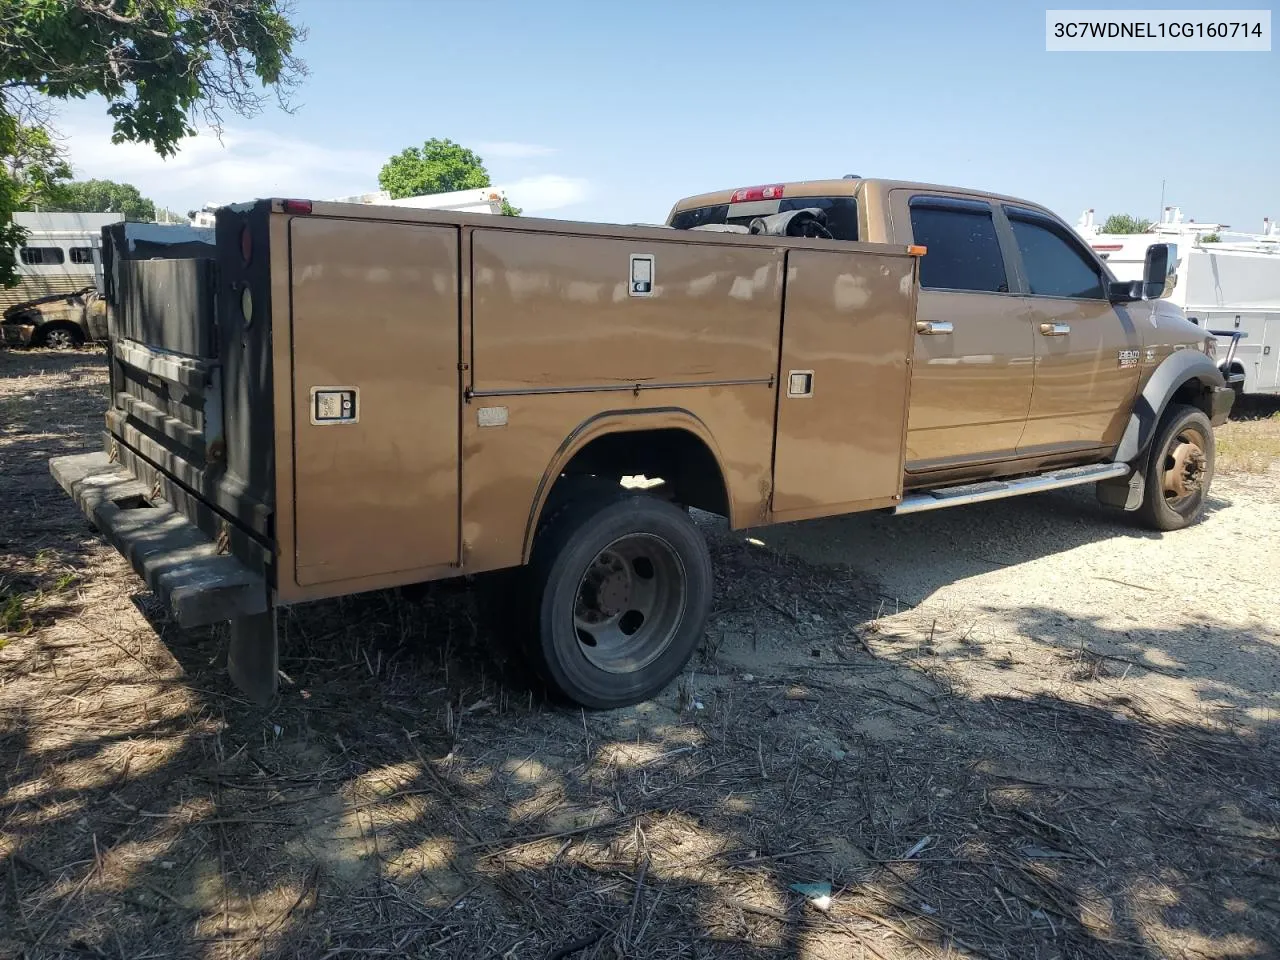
(842, 214)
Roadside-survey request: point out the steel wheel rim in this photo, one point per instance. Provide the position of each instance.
(59, 340)
(1182, 477)
(629, 603)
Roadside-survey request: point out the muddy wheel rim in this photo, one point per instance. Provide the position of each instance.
(629, 603)
(59, 340)
(1184, 468)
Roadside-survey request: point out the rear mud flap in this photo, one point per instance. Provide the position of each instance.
(253, 658)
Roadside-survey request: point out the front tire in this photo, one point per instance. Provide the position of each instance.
(619, 590)
(1179, 471)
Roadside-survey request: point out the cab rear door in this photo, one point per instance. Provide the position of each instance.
(972, 375)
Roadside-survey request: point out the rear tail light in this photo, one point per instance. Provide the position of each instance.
(773, 192)
(299, 207)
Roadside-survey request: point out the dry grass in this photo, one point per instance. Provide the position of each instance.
(410, 794)
(1250, 442)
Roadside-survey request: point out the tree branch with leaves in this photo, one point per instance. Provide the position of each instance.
(159, 64)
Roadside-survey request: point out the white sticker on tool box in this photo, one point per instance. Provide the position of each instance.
(491, 416)
(335, 405)
(641, 275)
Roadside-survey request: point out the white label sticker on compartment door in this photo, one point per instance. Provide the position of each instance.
(641, 275)
(335, 405)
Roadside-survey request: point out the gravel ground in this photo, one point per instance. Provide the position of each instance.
(1021, 729)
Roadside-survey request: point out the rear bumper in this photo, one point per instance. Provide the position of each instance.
(1220, 399)
(180, 564)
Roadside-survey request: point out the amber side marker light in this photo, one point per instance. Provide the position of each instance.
(296, 206)
(916, 250)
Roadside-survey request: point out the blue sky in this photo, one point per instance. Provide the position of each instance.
(610, 110)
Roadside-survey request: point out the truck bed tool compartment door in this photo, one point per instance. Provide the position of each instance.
(848, 323)
(375, 330)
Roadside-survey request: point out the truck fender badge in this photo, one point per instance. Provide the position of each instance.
(491, 416)
(1129, 358)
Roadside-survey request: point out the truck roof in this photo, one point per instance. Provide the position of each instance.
(841, 187)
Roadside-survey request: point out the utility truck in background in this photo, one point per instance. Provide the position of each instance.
(348, 397)
(1227, 282)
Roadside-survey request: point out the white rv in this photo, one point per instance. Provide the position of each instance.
(1230, 285)
(62, 254)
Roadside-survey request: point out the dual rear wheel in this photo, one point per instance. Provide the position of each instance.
(616, 597)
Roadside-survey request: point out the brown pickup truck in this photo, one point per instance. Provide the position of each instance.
(345, 398)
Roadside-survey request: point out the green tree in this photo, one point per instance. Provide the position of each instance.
(439, 166)
(156, 62)
(1211, 238)
(37, 167)
(106, 196)
(1124, 223)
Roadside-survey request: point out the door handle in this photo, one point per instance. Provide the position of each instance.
(1055, 329)
(933, 327)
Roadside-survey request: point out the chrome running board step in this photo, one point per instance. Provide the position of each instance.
(998, 489)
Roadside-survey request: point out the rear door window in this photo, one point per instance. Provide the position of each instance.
(842, 214)
(1055, 267)
(963, 250)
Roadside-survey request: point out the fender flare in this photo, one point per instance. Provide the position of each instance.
(616, 421)
(1176, 370)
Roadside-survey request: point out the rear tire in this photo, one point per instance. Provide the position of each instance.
(61, 336)
(619, 591)
(1179, 470)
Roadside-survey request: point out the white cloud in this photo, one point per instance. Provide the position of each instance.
(506, 150)
(548, 192)
(242, 165)
(245, 164)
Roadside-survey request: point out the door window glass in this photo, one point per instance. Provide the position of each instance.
(962, 250)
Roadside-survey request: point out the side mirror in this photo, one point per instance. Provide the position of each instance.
(1160, 272)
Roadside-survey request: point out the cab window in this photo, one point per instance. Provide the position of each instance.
(842, 214)
(1055, 267)
(963, 251)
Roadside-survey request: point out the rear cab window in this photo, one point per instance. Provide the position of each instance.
(842, 213)
(962, 247)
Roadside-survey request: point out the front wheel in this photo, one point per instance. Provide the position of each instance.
(620, 590)
(1179, 471)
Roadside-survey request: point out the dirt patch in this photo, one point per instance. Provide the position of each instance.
(1012, 730)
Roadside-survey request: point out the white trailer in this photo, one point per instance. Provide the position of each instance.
(1231, 285)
